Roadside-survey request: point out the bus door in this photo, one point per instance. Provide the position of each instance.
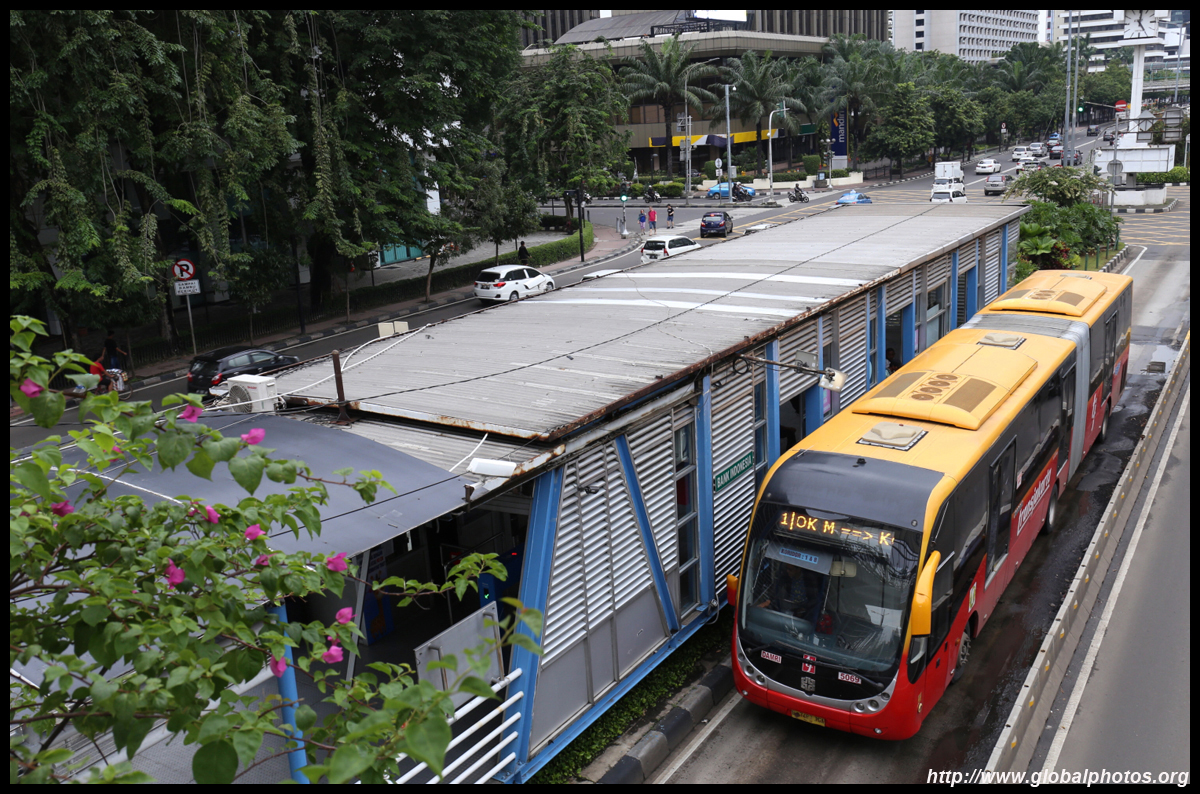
(1110, 354)
(1001, 482)
(1068, 428)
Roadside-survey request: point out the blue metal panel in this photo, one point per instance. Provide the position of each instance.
(973, 287)
(643, 520)
(908, 336)
(1003, 287)
(812, 409)
(535, 586)
(772, 403)
(289, 694)
(954, 289)
(880, 298)
(704, 485)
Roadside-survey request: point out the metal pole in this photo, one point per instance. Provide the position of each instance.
(770, 156)
(191, 328)
(1067, 105)
(728, 147)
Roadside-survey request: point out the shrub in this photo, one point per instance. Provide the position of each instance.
(1177, 174)
(710, 169)
(812, 163)
(636, 189)
(745, 180)
(839, 173)
(670, 190)
(790, 176)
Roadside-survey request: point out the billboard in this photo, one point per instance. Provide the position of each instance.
(837, 129)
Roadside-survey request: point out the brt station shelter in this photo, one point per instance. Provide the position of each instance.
(607, 439)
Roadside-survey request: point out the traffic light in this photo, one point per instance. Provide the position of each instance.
(624, 191)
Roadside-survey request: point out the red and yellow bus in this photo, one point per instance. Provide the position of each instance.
(880, 544)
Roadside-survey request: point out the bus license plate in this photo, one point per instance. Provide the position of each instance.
(800, 715)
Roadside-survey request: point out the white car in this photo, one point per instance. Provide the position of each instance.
(948, 196)
(988, 166)
(1029, 163)
(1039, 150)
(511, 283)
(1019, 152)
(664, 245)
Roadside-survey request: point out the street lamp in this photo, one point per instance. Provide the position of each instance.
(728, 146)
(770, 156)
(687, 113)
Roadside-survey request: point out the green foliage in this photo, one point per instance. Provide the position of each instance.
(759, 83)
(710, 169)
(812, 163)
(907, 126)
(839, 173)
(671, 190)
(957, 117)
(675, 672)
(1176, 174)
(174, 595)
(1039, 247)
(1063, 186)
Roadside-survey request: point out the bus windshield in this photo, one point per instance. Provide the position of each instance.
(828, 584)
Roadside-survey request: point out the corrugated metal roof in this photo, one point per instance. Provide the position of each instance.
(619, 27)
(540, 368)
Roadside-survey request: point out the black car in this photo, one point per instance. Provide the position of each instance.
(1093, 129)
(996, 183)
(716, 223)
(217, 366)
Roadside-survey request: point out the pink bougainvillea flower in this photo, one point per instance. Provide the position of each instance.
(337, 563)
(254, 531)
(61, 508)
(263, 559)
(278, 666)
(31, 389)
(190, 413)
(332, 656)
(213, 515)
(254, 436)
(345, 615)
(174, 575)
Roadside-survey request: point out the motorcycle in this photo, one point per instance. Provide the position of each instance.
(651, 195)
(797, 194)
(739, 192)
(118, 381)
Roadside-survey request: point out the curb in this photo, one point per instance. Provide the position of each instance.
(1144, 210)
(1118, 258)
(645, 757)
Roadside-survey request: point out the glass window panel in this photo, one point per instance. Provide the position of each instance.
(687, 540)
(685, 492)
(689, 582)
(683, 447)
(760, 401)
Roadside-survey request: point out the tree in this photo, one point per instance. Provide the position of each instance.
(133, 613)
(504, 211)
(1062, 186)
(759, 84)
(855, 84)
(906, 129)
(557, 122)
(667, 77)
(1017, 76)
(956, 118)
(806, 84)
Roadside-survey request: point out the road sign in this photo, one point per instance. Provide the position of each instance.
(184, 271)
(191, 287)
(1122, 105)
(1115, 167)
(717, 162)
(1003, 126)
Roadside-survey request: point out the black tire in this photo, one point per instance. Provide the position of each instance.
(964, 654)
(516, 296)
(1051, 522)
(549, 286)
(1103, 436)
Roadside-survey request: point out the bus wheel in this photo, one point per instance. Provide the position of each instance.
(1100, 439)
(964, 653)
(1052, 512)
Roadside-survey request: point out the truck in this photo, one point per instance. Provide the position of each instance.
(947, 175)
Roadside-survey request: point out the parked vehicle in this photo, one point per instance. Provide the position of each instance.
(716, 223)
(666, 245)
(1019, 151)
(988, 166)
(948, 195)
(996, 184)
(721, 190)
(212, 369)
(511, 283)
(854, 197)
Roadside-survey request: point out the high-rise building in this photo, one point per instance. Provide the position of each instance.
(1105, 32)
(973, 36)
(553, 24)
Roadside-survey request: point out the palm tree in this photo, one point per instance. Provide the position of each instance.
(667, 78)
(1017, 76)
(759, 85)
(855, 86)
(807, 86)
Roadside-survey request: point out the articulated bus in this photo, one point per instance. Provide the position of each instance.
(880, 544)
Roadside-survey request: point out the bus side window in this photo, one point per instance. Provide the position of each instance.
(970, 503)
(1027, 440)
(1068, 415)
(1049, 405)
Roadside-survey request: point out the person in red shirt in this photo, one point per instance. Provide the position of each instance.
(97, 368)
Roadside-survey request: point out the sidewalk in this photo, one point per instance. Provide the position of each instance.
(608, 244)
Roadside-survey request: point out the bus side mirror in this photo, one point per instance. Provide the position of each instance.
(922, 614)
(731, 588)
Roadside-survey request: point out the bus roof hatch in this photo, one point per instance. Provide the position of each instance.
(1052, 292)
(958, 385)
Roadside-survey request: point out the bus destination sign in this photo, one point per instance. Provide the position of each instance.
(796, 522)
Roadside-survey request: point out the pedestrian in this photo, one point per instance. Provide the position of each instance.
(670, 217)
(111, 350)
(653, 217)
(642, 219)
(97, 368)
(523, 254)
(893, 363)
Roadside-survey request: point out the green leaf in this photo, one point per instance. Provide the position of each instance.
(524, 641)
(305, 718)
(215, 764)
(247, 472)
(247, 744)
(95, 615)
(348, 760)
(477, 687)
(173, 449)
(32, 477)
(223, 449)
(201, 465)
(129, 733)
(426, 740)
(47, 408)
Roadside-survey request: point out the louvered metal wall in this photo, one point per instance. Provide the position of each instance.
(1014, 237)
(852, 348)
(937, 272)
(733, 437)
(792, 382)
(966, 261)
(650, 447)
(900, 292)
(991, 267)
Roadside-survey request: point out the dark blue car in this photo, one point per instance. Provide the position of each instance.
(716, 223)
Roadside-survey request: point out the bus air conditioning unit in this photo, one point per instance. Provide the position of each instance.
(252, 394)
